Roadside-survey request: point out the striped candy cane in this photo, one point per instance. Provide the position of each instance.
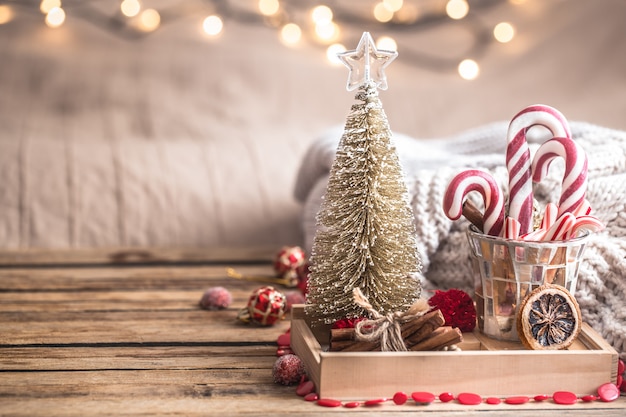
(511, 228)
(583, 210)
(549, 216)
(484, 183)
(574, 185)
(518, 160)
(591, 223)
(561, 227)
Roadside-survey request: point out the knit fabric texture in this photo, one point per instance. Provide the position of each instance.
(429, 165)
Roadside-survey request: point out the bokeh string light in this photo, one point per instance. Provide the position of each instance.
(326, 24)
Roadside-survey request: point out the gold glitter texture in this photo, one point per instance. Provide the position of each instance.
(365, 232)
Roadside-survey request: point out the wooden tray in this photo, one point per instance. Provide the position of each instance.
(485, 366)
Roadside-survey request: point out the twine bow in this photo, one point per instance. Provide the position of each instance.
(386, 328)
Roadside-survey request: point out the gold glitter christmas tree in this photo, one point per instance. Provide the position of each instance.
(365, 233)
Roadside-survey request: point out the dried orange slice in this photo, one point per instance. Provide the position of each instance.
(549, 318)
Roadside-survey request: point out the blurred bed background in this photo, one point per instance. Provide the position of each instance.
(154, 130)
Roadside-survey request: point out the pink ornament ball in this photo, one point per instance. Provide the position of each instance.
(288, 370)
(294, 297)
(216, 298)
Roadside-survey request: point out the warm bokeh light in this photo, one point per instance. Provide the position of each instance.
(290, 34)
(6, 14)
(457, 9)
(382, 13)
(55, 17)
(332, 51)
(393, 5)
(469, 69)
(212, 25)
(386, 43)
(130, 8)
(504, 32)
(409, 13)
(322, 15)
(269, 7)
(320, 22)
(149, 20)
(46, 5)
(327, 33)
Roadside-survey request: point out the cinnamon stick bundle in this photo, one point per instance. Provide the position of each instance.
(439, 338)
(417, 335)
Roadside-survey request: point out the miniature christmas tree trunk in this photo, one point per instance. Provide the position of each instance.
(365, 232)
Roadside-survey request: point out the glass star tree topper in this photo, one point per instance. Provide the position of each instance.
(365, 234)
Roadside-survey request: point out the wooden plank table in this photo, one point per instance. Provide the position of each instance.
(120, 333)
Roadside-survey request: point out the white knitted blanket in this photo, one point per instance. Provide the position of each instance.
(430, 164)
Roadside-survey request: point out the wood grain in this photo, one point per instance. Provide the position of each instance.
(131, 340)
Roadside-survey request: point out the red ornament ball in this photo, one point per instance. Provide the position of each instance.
(288, 262)
(457, 308)
(216, 298)
(288, 370)
(303, 278)
(265, 306)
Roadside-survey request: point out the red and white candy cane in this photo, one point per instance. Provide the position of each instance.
(591, 223)
(518, 160)
(511, 228)
(483, 182)
(583, 210)
(549, 216)
(561, 228)
(574, 185)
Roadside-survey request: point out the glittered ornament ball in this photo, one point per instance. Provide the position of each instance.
(265, 307)
(216, 298)
(288, 370)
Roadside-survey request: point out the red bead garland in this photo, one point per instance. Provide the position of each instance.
(606, 392)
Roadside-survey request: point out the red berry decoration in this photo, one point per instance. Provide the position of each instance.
(265, 306)
(287, 263)
(375, 401)
(328, 402)
(457, 308)
(305, 388)
(288, 370)
(347, 323)
(608, 392)
(423, 397)
(284, 340)
(216, 298)
(564, 398)
(469, 398)
(400, 398)
(520, 399)
(446, 397)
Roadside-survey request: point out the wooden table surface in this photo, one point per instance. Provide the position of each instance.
(120, 333)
